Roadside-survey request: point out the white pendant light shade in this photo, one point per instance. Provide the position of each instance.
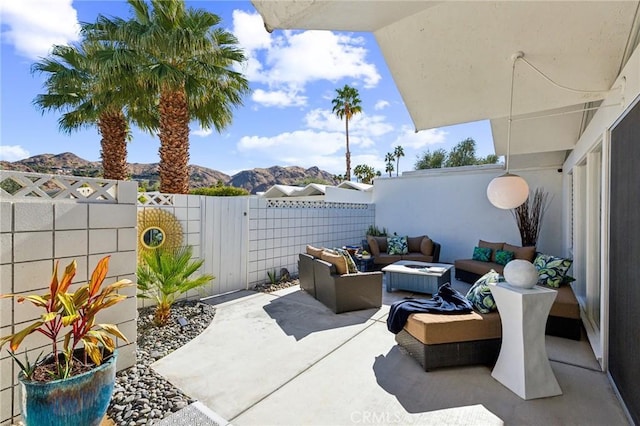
(507, 191)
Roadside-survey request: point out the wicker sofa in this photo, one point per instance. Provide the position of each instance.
(421, 249)
(339, 292)
(564, 318)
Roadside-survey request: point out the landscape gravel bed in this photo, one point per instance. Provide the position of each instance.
(140, 396)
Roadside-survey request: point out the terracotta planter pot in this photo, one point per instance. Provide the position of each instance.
(78, 400)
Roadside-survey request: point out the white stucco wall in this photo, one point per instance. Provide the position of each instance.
(452, 208)
(343, 195)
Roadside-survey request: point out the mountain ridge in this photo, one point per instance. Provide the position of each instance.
(147, 175)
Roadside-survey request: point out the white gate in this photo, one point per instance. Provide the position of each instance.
(225, 237)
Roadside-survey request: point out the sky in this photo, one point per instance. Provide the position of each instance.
(285, 121)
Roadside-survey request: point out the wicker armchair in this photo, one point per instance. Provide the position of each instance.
(348, 292)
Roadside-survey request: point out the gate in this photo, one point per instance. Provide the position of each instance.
(225, 224)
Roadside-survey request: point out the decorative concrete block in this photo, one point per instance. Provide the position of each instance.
(130, 331)
(24, 312)
(180, 200)
(121, 263)
(32, 246)
(103, 240)
(193, 213)
(6, 279)
(193, 227)
(6, 404)
(181, 213)
(193, 239)
(71, 215)
(33, 216)
(127, 239)
(112, 216)
(70, 243)
(6, 373)
(33, 277)
(6, 216)
(126, 357)
(128, 192)
(6, 316)
(6, 248)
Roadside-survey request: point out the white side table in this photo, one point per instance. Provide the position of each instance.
(523, 365)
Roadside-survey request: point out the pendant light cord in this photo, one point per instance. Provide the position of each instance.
(516, 56)
(570, 89)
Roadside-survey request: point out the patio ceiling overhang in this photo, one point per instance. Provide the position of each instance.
(451, 60)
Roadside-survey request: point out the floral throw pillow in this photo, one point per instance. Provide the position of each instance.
(397, 245)
(351, 264)
(504, 256)
(483, 254)
(551, 269)
(480, 293)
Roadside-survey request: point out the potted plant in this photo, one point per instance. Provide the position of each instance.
(529, 216)
(74, 383)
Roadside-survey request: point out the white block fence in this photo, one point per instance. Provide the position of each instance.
(49, 217)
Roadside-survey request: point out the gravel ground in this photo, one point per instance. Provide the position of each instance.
(140, 396)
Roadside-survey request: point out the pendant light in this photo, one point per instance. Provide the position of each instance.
(508, 191)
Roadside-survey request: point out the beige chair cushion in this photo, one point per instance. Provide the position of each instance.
(433, 329)
(525, 253)
(566, 305)
(478, 267)
(314, 251)
(492, 246)
(336, 260)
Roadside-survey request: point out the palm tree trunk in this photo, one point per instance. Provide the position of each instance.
(347, 175)
(174, 142)
(113, 129)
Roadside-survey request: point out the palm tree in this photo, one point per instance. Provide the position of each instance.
(345, 105)
(165, 274)
(74, 86)
(398, 152)
(388, 159)
(186, 63)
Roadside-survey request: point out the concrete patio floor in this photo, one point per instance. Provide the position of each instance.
(285, 359)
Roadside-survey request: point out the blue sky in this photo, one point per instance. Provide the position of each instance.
(286, 120)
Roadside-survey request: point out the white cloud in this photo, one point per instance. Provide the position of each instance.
(13, 152)
(33, 26)
(304, 148)
(286, 61)
(203, 133)
(409, 138)
(278, 98)
(381, 104)
(361, 125)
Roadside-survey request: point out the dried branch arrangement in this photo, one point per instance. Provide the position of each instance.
(529, 216)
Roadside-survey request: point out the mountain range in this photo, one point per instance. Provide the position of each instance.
(255, 180)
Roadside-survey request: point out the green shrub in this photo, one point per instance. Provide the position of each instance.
(220, 191)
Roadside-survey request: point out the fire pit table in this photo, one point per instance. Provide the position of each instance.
(420, 277)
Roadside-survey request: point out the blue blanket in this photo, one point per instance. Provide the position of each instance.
(446, 301)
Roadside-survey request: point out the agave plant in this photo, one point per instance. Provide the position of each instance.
(75, 312)
(165, 274)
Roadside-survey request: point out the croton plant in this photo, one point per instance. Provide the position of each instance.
(73, 316)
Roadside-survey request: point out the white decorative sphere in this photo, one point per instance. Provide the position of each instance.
(520, 273)
(507, 191)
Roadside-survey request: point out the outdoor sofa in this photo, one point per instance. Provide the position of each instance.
(564, 318)
(338, 290)
(420, 249)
